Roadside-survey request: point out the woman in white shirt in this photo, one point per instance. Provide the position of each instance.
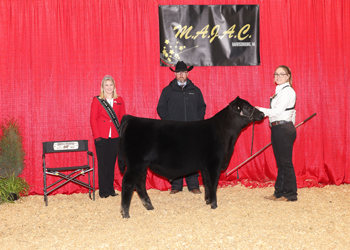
(282, 118)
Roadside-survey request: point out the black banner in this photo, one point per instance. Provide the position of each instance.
(209, 35)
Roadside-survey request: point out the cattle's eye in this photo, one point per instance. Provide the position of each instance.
(238, 108)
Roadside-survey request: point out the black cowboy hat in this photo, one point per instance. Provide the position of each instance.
(181, 66)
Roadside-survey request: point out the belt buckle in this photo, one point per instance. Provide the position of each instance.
(279, 122)
(276, 123)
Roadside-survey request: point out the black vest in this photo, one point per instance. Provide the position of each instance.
(276, 95)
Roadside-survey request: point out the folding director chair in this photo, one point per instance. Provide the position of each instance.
(74, 172)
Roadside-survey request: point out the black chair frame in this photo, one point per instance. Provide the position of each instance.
(76, 171)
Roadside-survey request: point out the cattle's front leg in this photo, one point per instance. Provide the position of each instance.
(214, 204)
(213, 200)
(214, 179)
(206, 183)
(142, 192)
(207, 195)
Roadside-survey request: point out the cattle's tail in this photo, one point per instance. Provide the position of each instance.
(121, 163)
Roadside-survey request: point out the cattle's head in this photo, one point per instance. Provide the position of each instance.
(246, 110)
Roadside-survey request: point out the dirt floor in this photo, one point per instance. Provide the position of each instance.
(320, 219)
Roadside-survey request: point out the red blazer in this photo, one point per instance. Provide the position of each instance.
(100, 121)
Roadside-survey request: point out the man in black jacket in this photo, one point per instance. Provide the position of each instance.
(181, 100)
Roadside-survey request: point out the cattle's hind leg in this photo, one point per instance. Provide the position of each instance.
(142, 192)
(128, 185)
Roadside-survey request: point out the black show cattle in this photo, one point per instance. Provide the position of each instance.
(172, 149)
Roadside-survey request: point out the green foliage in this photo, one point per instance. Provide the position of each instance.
(11, 148)
(11, 162)
(12, 187)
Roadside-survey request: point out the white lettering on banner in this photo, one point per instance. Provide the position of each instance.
(241, 44)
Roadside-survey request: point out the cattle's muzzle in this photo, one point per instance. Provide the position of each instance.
(257, 115)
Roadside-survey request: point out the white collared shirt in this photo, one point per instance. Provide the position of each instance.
(110, 101)
(184, 84)
(284, 98)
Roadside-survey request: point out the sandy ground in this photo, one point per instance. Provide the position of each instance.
(320, 219)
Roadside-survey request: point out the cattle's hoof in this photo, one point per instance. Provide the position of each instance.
(214, 206)
(149, 207)
(125, 216)
(207, 202)
(147, 204)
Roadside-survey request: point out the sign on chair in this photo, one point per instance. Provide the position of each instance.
(69, 145)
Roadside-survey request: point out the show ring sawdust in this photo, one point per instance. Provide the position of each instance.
(320, 219)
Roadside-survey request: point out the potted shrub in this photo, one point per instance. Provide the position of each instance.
(11, 161)
(12, 187)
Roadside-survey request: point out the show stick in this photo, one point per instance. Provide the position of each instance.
(257, 153)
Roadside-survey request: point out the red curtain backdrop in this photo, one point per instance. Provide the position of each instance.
(54, 54)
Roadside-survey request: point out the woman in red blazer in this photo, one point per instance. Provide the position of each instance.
(105, 134)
